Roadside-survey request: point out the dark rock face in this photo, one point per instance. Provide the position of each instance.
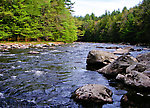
(135, 100)
(93, 93)
(98, 59)
(118, 66)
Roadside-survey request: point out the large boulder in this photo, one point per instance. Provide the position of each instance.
(118, 66)
(97, 59)
(93, 93)
(97, 56)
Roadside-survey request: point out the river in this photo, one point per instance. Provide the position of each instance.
(48, 79)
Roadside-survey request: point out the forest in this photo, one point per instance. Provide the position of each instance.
(128, 26)
(37, 20)
(51, 20)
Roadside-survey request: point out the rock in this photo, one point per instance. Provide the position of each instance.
(143, 58)
(118, 66)
(33, 52)
(97, 56)
(93, 93)
(99, 47)
(97, 59)
(121, 51)
(112, 47)
(129, 48)
(138, 49)
(135, 100)
(135, 79)
(136, 67)
(146, 48)
(51, 44)
(137, 75)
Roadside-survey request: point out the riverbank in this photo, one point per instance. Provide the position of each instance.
(5, 46)
(27, 43)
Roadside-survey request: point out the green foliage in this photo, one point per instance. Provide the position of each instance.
(26, 20)
(127, 26)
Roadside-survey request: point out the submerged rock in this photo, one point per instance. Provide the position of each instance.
(118, 66)
(93, 93)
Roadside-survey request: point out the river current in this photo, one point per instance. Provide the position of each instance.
(48, 79)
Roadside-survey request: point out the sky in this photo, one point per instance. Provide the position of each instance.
(98, 7)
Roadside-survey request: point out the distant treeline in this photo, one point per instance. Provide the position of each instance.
(131, 25)
(35, 20)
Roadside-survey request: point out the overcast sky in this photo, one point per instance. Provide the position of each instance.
(98, 7)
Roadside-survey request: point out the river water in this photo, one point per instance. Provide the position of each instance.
(48, 79)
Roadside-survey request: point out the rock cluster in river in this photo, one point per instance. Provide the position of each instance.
(137, 75)
(131, 71)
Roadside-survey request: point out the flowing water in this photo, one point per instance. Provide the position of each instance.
(48, 79)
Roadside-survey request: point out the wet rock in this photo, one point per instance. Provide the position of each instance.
(137, 75)
(112, 47)
(135, 100)
(51, 44)
(118, 66)
(123, 51)
(93, 93)
(97, 59)
(135, 79)
(146, 48)
(96, 56)
(138, 49)
(33, 52)
(99, 47)
(139, 67)
(143, 58)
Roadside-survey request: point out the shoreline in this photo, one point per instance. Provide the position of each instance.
(28, 43)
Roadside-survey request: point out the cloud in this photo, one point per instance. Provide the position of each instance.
(98, 7)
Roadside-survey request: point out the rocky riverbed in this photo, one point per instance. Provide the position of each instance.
(48, 75)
